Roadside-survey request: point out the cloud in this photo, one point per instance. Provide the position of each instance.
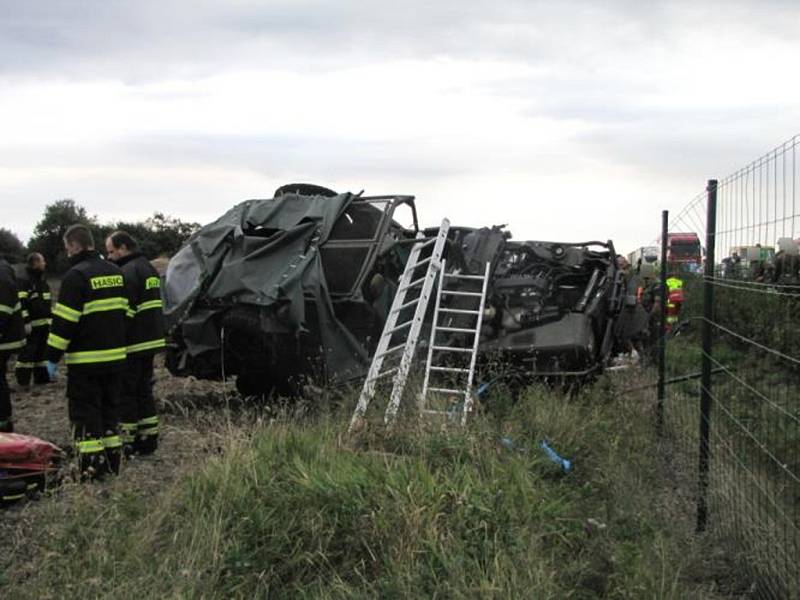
(147, 39)
(565, 118)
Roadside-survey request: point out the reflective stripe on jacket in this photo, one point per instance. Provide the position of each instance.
(12, 326)
(34, 294)
(674, 283)
(89, 318)
(675, 289)
(145, 313)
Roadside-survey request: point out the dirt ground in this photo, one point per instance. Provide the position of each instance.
(189, 430)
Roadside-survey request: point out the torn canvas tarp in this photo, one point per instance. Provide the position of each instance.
(275, 261)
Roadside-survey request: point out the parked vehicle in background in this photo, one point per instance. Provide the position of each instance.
(751, 264)
(644, 255)
(684, 252)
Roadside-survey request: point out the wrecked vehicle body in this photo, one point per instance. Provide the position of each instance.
(296, 289)
(284, 290)
(551, 307)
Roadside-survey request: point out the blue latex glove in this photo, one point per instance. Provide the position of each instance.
(52, 370)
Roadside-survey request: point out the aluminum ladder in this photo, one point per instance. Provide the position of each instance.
(398, 343)
(441, 348)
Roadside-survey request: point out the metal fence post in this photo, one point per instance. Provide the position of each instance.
(662, 326)
(705, 381)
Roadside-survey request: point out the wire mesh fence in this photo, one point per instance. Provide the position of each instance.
(734, 419)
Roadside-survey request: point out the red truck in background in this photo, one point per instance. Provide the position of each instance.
(684, 251)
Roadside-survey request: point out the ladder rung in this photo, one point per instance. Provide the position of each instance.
(427, 243)
(473, 277)
(460, 311)
(420, 263)
(428, 411)
(414, 283)
(406, 305)
(449, 349)
(399, 327)
(449, 369)
(446, 391)
(391, 350)
(457, 330)
(457, 293)
(383, 374)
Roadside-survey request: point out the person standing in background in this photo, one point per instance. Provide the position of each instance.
(138, 416)
(34, 295)
(12, 337)
(89, 331)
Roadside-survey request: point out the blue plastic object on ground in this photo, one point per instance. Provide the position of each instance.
(507, 443)
(565, 464)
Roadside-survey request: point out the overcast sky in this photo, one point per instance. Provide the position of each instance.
(568, 120)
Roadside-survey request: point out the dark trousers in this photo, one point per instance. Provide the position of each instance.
(5, 396)
(138, 417)
(31, 358)
(94, 399)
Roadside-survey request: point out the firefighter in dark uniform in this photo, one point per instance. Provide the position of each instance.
(34, 295)
(89, 331)
(12, 337)
(138, 416)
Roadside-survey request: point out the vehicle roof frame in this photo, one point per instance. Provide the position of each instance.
(391, 202)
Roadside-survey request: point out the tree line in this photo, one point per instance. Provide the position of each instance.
(159, 235)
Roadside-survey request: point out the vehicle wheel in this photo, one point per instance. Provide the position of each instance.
(304, 189)
(253, 384)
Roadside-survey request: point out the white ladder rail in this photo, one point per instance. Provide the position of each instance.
(431, 345)
(468, 397)
(391, 327)
(473, 351)
(382, 349)
(435, 265)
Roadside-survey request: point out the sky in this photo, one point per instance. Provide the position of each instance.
(569, 121)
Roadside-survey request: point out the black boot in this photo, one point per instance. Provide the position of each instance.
(91, 459)
(147, 435)
(146, 445)
(92, 467)
(112, 443)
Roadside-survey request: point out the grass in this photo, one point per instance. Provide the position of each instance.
(754, 436)
(296, 510)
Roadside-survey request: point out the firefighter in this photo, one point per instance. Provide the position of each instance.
(674, 300)
(138, 417)
(34, 294)
(89, 331)
(12, 337)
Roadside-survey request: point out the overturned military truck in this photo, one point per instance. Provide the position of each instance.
(297, 288)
